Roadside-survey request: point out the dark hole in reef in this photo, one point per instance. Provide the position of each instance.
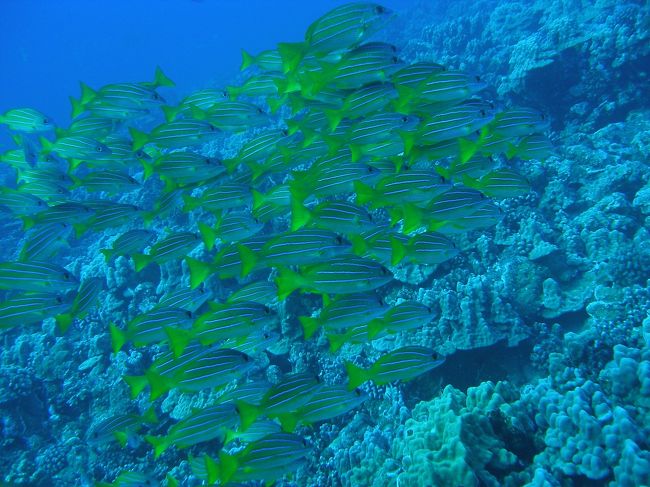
(572, 320)
(468, 368)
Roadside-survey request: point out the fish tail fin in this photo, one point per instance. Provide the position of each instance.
(212, 469)
(230, 164)
(248, 414)
(63, 322)
(190, 203)
(405, 95)
(365, 194)
(159, 384)
(309, 325)
(77, 107)
(140, 139)
(288, 421)
(398, 251)
(334, 117)
(356, 375)
(79, 229)
(411, 218)
(300, 214)
(199, 271)
(467, 149)
(136, 383)
(258, 199)
(87, 93)
(159, 443)
(161, 79)
(208, 234)
(170, 112)
(248, 259)
(359, 245)
(471, 182)
(233, 92)
(148, 218)
(178, 339)
(336, 341)
(122, 437)
(118, 337)
(291, 54)
(149, 416)
(28, 222)
(140, 261)
(409, 139)
(246, 60)
(46, 145)
(287, 281)
(148, 169)
(374, 327)
(275, 103)
(228, 465)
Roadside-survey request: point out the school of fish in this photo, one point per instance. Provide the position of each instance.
(349, 163)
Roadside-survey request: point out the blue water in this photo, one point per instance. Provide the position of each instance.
(534, 327)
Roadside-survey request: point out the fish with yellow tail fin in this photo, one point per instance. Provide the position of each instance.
(404, 363)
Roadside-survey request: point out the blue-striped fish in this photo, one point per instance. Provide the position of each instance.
(339, 275)
(173, 246)
(202, 425)
(38, 276)
(404, 363)
(344, 311)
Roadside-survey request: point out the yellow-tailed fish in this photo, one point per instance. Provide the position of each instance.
(406, 316)
(500, 183)
(340, 216)
(339, 275)
(427, 248)
(304, 246)
(404, 363)
(267, 459)
(86, 298)
(75, 147)
(344, 311)
(128, 243)
(202, 425)
(222, 197)
(176, 134)
(26, 120)
(149, 327)
(30, 308)
(38, 276)
(292, 392)
(173, 246)
(119, 427)
(183, 169)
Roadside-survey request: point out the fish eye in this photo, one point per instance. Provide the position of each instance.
(379, 9)
(284, 132)
(189, 314)
(99, 148)
(405, 119)
(357, 391)
(213, 128)
(483, 113)
(45, 121)
(66, 276)
(260, 111)
(267, 310)
(338, 239)
(478, 78)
